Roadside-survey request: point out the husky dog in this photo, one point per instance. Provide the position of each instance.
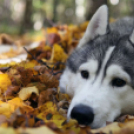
(99, 74)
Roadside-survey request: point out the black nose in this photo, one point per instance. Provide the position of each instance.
(83, 114)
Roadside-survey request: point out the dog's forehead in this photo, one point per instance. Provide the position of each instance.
(123, 55)
(95, 50)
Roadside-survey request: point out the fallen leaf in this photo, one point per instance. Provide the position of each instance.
(25, 93)
(58, 54)
(35, 130)
(4, 82)
(49, 80)
(41, 87)
(46, 95)
(4, 130)
(26, 75)
(12, 90)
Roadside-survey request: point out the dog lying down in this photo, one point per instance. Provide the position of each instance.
(99, 74)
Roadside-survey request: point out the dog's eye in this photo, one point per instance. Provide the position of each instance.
(118, 82)
(85, 74)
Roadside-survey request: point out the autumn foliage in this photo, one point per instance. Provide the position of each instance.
(30, 98)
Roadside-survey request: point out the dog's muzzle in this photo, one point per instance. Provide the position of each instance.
(83, 114)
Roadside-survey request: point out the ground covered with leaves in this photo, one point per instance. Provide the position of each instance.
(30, 99)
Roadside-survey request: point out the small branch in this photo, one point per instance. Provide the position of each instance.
(44, 63)
(57, 64)
(39, 61)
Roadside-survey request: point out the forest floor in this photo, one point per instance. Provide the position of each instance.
(30, 100)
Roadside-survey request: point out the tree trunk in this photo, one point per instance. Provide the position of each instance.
(55, 4)
(27, 23)
(94, 5)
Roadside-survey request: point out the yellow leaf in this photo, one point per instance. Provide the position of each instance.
(113, 127)
(5, 109)
(1, 102)
(26, 109)
(58, 120)
(29, 64)
(70, 124)
(4, 130)
(4, 82)
(15, 103)
(47, 48)
(84, 25)
(5, 124)
(58, 54)
(50, 109)
(25, 93)
(40, 130)
(52, 30)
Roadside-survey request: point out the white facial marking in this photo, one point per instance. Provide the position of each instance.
(132, 37)
(91, 66)
(65, 82)
(107, 56)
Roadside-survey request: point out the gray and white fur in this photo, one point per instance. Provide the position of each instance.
(99, 74)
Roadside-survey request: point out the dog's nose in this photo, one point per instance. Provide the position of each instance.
(83, 114)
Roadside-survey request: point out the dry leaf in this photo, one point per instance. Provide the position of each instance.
(25, 93)
(46, 95)
(49, 80)
(39, 130)
(4, 82)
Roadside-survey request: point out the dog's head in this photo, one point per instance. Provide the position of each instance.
(99, 73)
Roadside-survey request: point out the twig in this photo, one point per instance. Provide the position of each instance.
(39, 61)
(57, 64)
(44, 63)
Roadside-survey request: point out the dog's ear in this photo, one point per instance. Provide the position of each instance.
(97, 26)
(132, 37)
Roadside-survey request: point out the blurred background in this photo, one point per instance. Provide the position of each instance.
(22, 16)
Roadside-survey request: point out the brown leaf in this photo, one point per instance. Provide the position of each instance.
(40, 69)
(12, 90)
(20, 119)
(46, 95)
(52, 126)
(30, 121)
(35, 52)
(49, 80)
(42, 55)
(40, 86)
(4, 69)
(63, 104)
(33, 100)
(53, 38)
(6, 39)
(26, 75)
(3, 119)
(39, 123)
(127, 131)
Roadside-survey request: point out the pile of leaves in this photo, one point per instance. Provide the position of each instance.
(30, 99)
